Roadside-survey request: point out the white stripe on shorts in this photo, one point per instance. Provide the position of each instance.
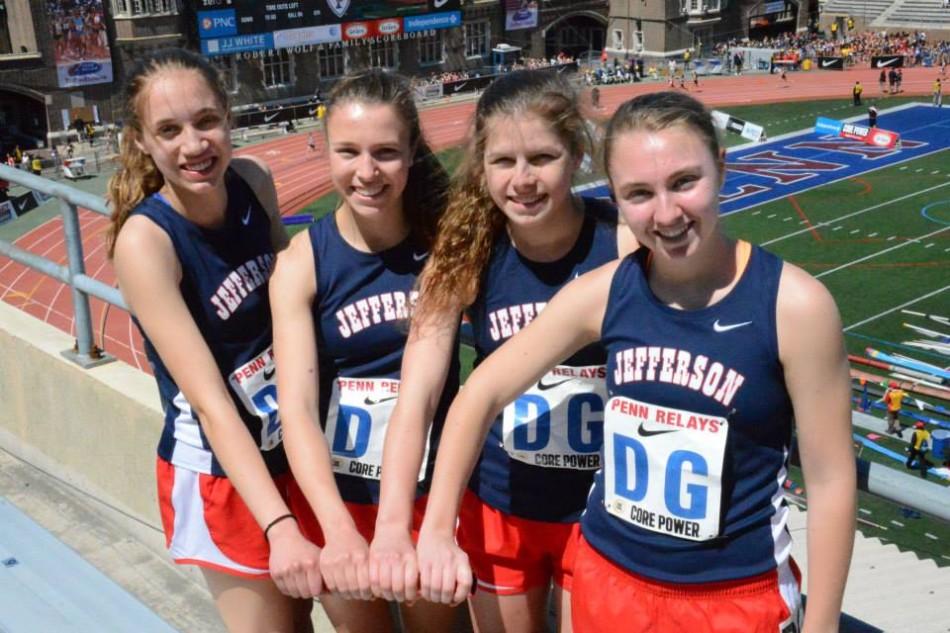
(791, 596)
(191, 538)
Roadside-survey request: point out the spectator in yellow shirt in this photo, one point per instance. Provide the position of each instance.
(919, 445)
(893, 397)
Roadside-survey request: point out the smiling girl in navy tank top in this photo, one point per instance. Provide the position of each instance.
(513, 235)
(194, 235)
(341, 298)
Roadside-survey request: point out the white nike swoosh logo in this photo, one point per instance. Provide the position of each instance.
(270, 117)
(440, 3)
(420, 256)
(826, 64)
(23, 206)
(725, 328)
(881, 63)
(247, 216)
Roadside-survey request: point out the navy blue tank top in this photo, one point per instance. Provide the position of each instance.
(548, 439)
(224, 280)
(361, 317)
(697, 431)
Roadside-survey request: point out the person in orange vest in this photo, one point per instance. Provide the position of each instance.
(893, 397)
(919, 445)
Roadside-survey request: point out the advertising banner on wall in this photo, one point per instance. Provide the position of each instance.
(221, 18)
(240, 26)
(831, 63)
(80, 43)
(521, 14)
(887, 61)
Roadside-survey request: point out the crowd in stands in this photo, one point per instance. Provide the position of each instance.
(613, 73)
(795, 47)
(442, 78)
(859, 47)
(522, 63)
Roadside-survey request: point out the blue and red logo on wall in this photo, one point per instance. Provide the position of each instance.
(217, 23)
(84, 68)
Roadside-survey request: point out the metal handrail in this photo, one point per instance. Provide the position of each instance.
(85, 353)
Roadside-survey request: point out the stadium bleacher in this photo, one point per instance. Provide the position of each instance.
(921, 14)
(867, 9)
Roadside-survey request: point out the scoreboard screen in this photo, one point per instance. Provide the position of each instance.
(248, 17)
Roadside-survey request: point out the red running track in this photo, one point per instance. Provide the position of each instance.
(302, 176)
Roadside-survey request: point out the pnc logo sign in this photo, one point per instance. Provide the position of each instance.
(217, 23)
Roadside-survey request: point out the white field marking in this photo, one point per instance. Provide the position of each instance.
(931, 536)
(855, 213)
(879, 253)
(757, 212)
(854, 231)
(804, 132)
(901, 306)
(769, 217)
(893, 237)
(864, 511)
(903, 168)
(929, 245)
(837, 228)
(872, 234)
(936, 171)
(788, 219)
(897, 523)
(917, 171)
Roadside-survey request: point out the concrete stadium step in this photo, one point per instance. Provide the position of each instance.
(884, 585)
(857, 8)
(922, 14)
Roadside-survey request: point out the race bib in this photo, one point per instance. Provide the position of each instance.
(663, 468)
(558, 422)
(256, 387)
(356, 425)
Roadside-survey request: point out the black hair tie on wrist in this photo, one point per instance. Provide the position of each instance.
(282, 517)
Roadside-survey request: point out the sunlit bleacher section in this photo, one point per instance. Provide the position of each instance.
(914, 14)
(868, 10)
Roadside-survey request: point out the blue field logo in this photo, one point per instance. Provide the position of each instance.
(762, 172)
(217, 23)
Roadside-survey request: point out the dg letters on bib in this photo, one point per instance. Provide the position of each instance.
(558, 422)
(663, 468)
